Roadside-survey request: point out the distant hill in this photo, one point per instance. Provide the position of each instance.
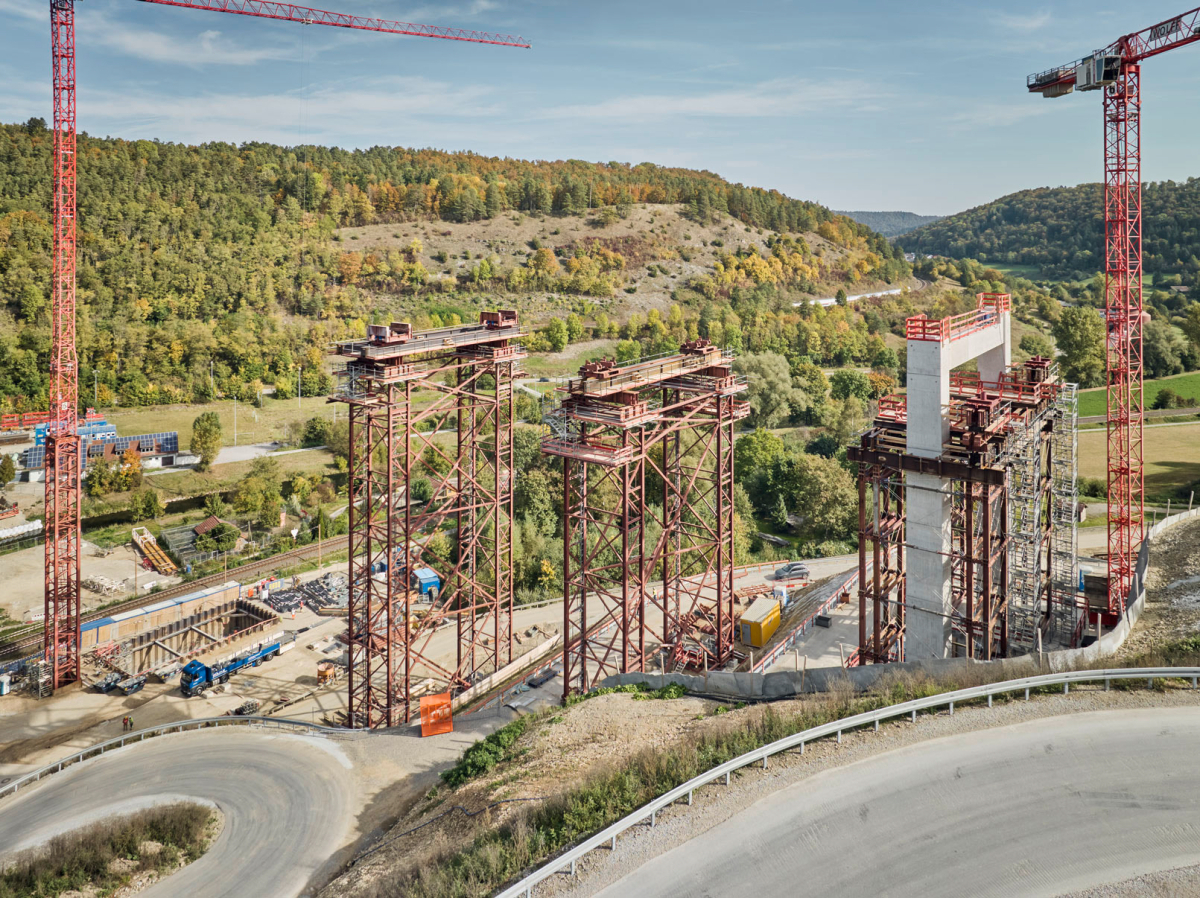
(891, 224)
(1061, 231)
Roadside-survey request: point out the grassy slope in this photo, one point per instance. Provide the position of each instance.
(1092, 402)
(1172, 462)
(254, 425)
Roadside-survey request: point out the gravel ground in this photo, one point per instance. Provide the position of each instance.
(717, 803)
(1182, 882)
(1172, 591)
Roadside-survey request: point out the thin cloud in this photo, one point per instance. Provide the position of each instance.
(767, 99)
(31, 12)
(381, 107)
(999, 115)
(209, 47)
(1026, 23)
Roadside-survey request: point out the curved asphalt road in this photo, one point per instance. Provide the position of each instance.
(286, 801)
(1040, 808)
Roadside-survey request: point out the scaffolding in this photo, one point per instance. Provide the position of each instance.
(1009, 467)
(407, 394)
(647, 452)
(881, 582)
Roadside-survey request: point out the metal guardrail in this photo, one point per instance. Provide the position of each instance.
(648, 812)
(281, 723)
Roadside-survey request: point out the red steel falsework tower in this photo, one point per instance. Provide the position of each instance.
(643, 578)
(1116, 70)
(64, 455)
(463, 380)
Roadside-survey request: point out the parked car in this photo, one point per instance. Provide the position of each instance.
(793, 570)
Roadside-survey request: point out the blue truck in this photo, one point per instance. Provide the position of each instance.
(197, 676)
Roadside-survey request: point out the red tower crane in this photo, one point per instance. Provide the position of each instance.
(1116, 70)
(64, 457)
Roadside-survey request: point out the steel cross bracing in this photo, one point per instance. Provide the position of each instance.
(64, 456)
(64, 463)
(881, 578)
(265, 9)
(1011, 465)
(647, 453)
(441, 417)
(1116, 70)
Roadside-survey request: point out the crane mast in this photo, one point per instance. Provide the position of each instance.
(1116, 70)
(64, 453)
(64, 464)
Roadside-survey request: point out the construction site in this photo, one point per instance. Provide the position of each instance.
(421, 640)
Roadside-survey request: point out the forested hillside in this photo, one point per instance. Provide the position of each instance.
(1061, 231)
(891, 224)
(221, 269)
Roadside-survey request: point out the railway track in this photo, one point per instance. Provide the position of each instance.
(27, 640)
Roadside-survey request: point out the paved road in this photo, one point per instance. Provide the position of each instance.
(1041, 808)
(286, 801)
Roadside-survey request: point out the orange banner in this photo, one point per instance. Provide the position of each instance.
(435, 715)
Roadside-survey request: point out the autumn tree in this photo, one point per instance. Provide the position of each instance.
(206, 438)
(7, 469)
(769, 387)
(1080, 333)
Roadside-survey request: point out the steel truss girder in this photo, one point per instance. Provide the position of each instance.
(881, 580)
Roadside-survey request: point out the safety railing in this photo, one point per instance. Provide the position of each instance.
(275, 723)
(648, 813)
(935, 330)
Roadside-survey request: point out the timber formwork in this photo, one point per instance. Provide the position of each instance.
(648, 566)
(434, 409)
(1010, 466)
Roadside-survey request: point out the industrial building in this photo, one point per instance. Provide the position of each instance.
(968, 500)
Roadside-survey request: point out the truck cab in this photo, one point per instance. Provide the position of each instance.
(193, 679)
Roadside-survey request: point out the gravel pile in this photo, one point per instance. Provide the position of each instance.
(1182, 882)
(1172, 591)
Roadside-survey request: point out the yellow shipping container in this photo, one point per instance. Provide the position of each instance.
(759, 623)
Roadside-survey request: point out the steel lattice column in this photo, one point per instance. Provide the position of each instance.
(604, 565)
(63, 467)
(881, 581)
(372, 612)
(695, 550)
(1123, 313)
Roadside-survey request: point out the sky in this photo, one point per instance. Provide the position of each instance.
(858, 104)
